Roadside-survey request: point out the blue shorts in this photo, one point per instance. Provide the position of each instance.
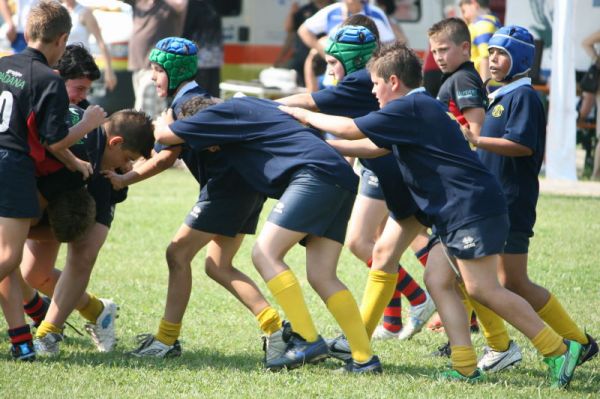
(517, 242)
(18, 191)
(314, 207)
(227, 216)
(369, 185)
(477, 239)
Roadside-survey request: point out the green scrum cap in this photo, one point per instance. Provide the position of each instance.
(178, 57)
(353, 46)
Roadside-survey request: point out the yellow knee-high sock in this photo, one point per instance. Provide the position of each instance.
(559, 320)
(464, 359)
(168, 332)
(286, 290)
(45, 328)
(92, 309)
(269, 320)
(344, 309)
(549, 343)
(492, 325)
(378, 292)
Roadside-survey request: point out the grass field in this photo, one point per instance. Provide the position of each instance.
(221, 341)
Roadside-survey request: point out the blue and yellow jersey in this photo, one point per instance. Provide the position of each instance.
(481, 31)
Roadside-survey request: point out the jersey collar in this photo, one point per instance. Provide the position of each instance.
(187, 87)
(36, 54)
(414, 91)
(502, 91)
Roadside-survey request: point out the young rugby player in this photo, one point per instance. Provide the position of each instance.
(220, 219)
(285, 160)
(461, 198)
(34, 107)
(511, 146)
(347, 53)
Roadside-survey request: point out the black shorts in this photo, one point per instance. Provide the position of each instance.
(18, 191)
(227, 216)
(313, 206)
(517, 242)
(477, 239)
(369, 185)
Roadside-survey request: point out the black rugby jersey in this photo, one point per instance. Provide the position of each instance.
(462, 89)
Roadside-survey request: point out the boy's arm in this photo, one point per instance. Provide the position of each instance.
(11, 32)
(73, 163)
(363, 148)
(588, 46)
(310, 40)
(497, 145)
(337, 125)
(162, 133)
(475, 117)
(92, 118)
(302, 100)
(159, 162)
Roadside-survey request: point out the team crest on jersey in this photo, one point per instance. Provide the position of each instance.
(497, 111)
(279, 207)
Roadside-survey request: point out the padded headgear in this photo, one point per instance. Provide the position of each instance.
(518, 43)
(353, 46)
(178, 57)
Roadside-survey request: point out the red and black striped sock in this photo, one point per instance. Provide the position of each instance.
(36, 308)
(20, 334)
(409, 287)
(422, 255)
(392, 315)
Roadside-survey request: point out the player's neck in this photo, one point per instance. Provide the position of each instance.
(45, 48)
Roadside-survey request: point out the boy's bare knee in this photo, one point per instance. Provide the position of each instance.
(175, 256)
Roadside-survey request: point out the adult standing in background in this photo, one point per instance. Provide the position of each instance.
(293, 43)
(15, 16)
(328, 19)
(84, 24)
(152, 21)
(203, 26)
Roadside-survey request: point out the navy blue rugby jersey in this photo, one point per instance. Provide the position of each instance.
(352, 98)
(33, 104)
(446, 179)
(517, 116)
(265, 145)
(462, 89)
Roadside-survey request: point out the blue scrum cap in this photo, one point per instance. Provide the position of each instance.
(518, 43)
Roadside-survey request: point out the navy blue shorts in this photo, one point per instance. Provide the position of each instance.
(227, 216)
(517, 242)
(314, 207)
(18, 191)
(369, 185)
(477, 239)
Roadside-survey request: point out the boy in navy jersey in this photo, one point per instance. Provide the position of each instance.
(459, 196)
(34, 105)
(218, 220)
(282, 159)
(347, 53)
(511, 145)
(463, 93)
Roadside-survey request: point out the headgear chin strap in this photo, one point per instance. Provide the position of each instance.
(517, 42)
(353, 46)
(178, 57)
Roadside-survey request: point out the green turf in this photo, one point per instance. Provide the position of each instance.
(221, 341)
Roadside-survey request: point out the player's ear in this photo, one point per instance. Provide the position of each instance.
(115, 140)
(62, 38)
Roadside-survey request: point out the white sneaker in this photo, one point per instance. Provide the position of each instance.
(493, 361)
(276, 344)
(48, 345)
(383, 333)
(149, 346)
(418, 316)
(103, 331)
(339, 348)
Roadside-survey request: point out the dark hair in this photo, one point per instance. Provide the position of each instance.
(77, 62)
(47, 21)
(482, 3)
(136, 129)
(364, 21)
(397, 59)
(71, 214)
(454, 28)
(197, 104)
